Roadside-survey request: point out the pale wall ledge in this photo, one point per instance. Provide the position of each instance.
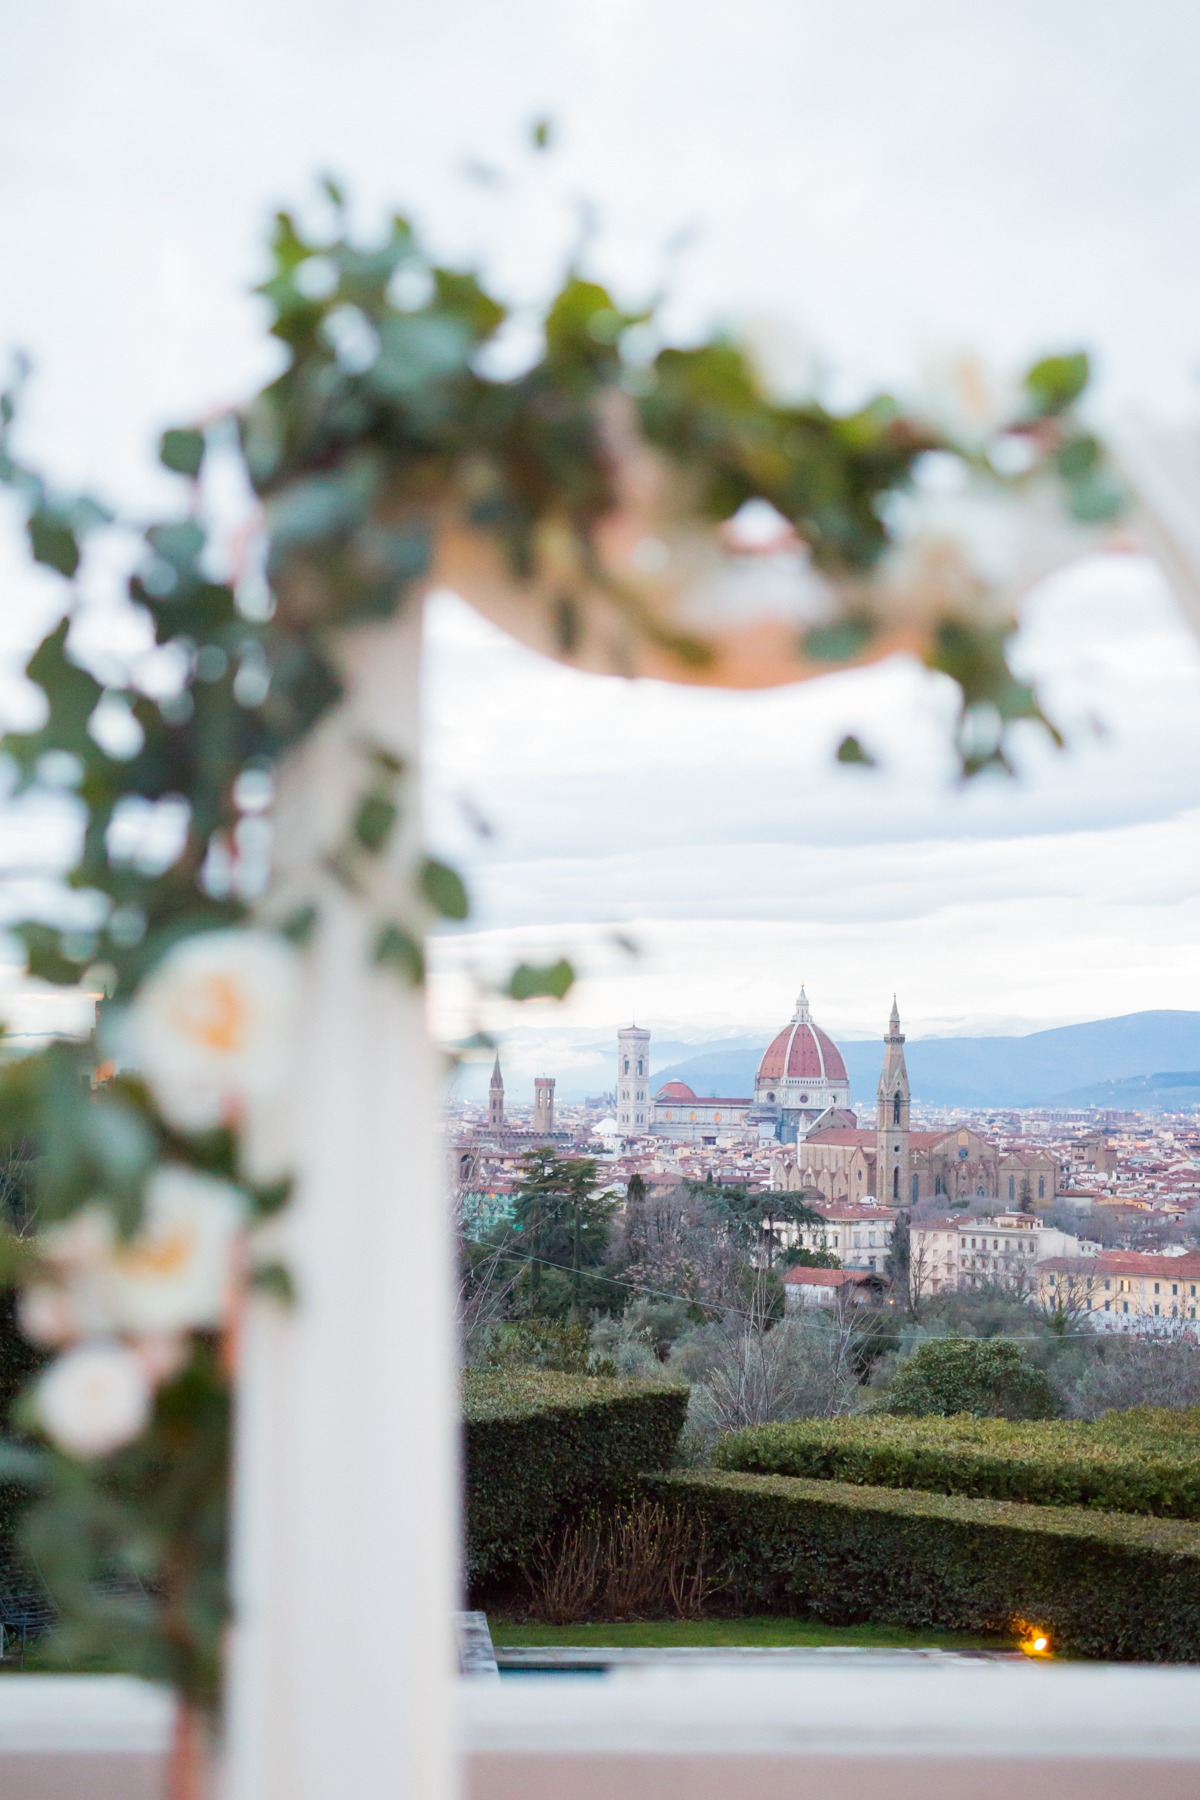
(921, 1732)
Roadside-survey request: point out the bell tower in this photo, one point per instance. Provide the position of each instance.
(633, 1080)
(893, 1162)
(496, 1098)
(543, 1105)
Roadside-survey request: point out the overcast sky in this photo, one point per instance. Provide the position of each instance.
(895, 178)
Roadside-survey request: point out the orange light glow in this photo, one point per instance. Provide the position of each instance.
(1032, 1640)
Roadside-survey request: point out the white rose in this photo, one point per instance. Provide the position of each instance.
(175, 1274)
(213, 1026)
(94, 1399)
(964, 545)
(178, 1272)
(967, 399)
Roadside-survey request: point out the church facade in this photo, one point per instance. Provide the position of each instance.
(896, 1166)
(801, 1106)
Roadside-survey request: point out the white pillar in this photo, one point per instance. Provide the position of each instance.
(345, 1501)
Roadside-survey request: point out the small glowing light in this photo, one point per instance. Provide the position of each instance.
(1033, 1640)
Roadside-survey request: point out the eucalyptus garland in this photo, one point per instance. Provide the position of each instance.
(386, 438)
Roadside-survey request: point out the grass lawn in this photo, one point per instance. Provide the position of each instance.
(762, 1633)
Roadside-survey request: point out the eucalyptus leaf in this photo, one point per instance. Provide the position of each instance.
(398, 949)
(182, 450)
(53, 542)
(550, 982)
(444, 889)
(374, 821)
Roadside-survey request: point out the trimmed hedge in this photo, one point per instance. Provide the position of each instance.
(1143, 1462)
(538, 1443)
(1102, 1584)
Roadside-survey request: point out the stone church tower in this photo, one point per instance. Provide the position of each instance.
(893, 1162)
(633, 1080)
(496, 1098)
(543, 1105)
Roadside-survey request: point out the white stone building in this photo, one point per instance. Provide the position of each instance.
(633, 1080)
(957, 1253)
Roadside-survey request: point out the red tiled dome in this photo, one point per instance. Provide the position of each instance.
(675, 1090)
(802, 1052)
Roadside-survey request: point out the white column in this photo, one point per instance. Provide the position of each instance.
(345, 1494)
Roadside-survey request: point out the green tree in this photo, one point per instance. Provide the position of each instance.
(753, 1217)
(985, 1376)
(898, 1265)
(562, 1221)
(797, 1257)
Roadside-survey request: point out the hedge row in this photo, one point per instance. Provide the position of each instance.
(1102, 1584)
(538, 1443)
(1143, 1464)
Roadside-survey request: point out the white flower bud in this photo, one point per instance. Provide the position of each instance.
(94, 1399)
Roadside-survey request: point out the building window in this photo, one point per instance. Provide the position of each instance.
(1108, 1306)
(896, 1109)
(1012, 1187)
(627, 1065)
(1156, 1289)
(1124, 1306)
(1041, 1187)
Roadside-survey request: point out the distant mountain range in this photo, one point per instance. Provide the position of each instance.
(1172, 1091)
(1107, 1062)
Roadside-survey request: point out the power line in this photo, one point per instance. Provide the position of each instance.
(637, 1287)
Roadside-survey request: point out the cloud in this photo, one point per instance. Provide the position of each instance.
(892, 175)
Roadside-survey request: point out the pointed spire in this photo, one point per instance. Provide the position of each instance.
(497, 1080)
(894, 1021)
(802, 1014)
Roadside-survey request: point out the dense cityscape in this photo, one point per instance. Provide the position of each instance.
(1093, 1209)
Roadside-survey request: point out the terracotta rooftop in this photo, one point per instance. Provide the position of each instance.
(827, 1277)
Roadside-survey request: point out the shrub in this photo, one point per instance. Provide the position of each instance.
(540, 1344)
(619, 1348)
(1101, 1584)
(1141, 1463)
(539, 1444)
(635, 1561)
(1137, 1372)
(984, 1376)
(798, 1367)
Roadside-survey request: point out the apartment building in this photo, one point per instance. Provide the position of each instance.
(955, 1252)
(1124, 1290)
